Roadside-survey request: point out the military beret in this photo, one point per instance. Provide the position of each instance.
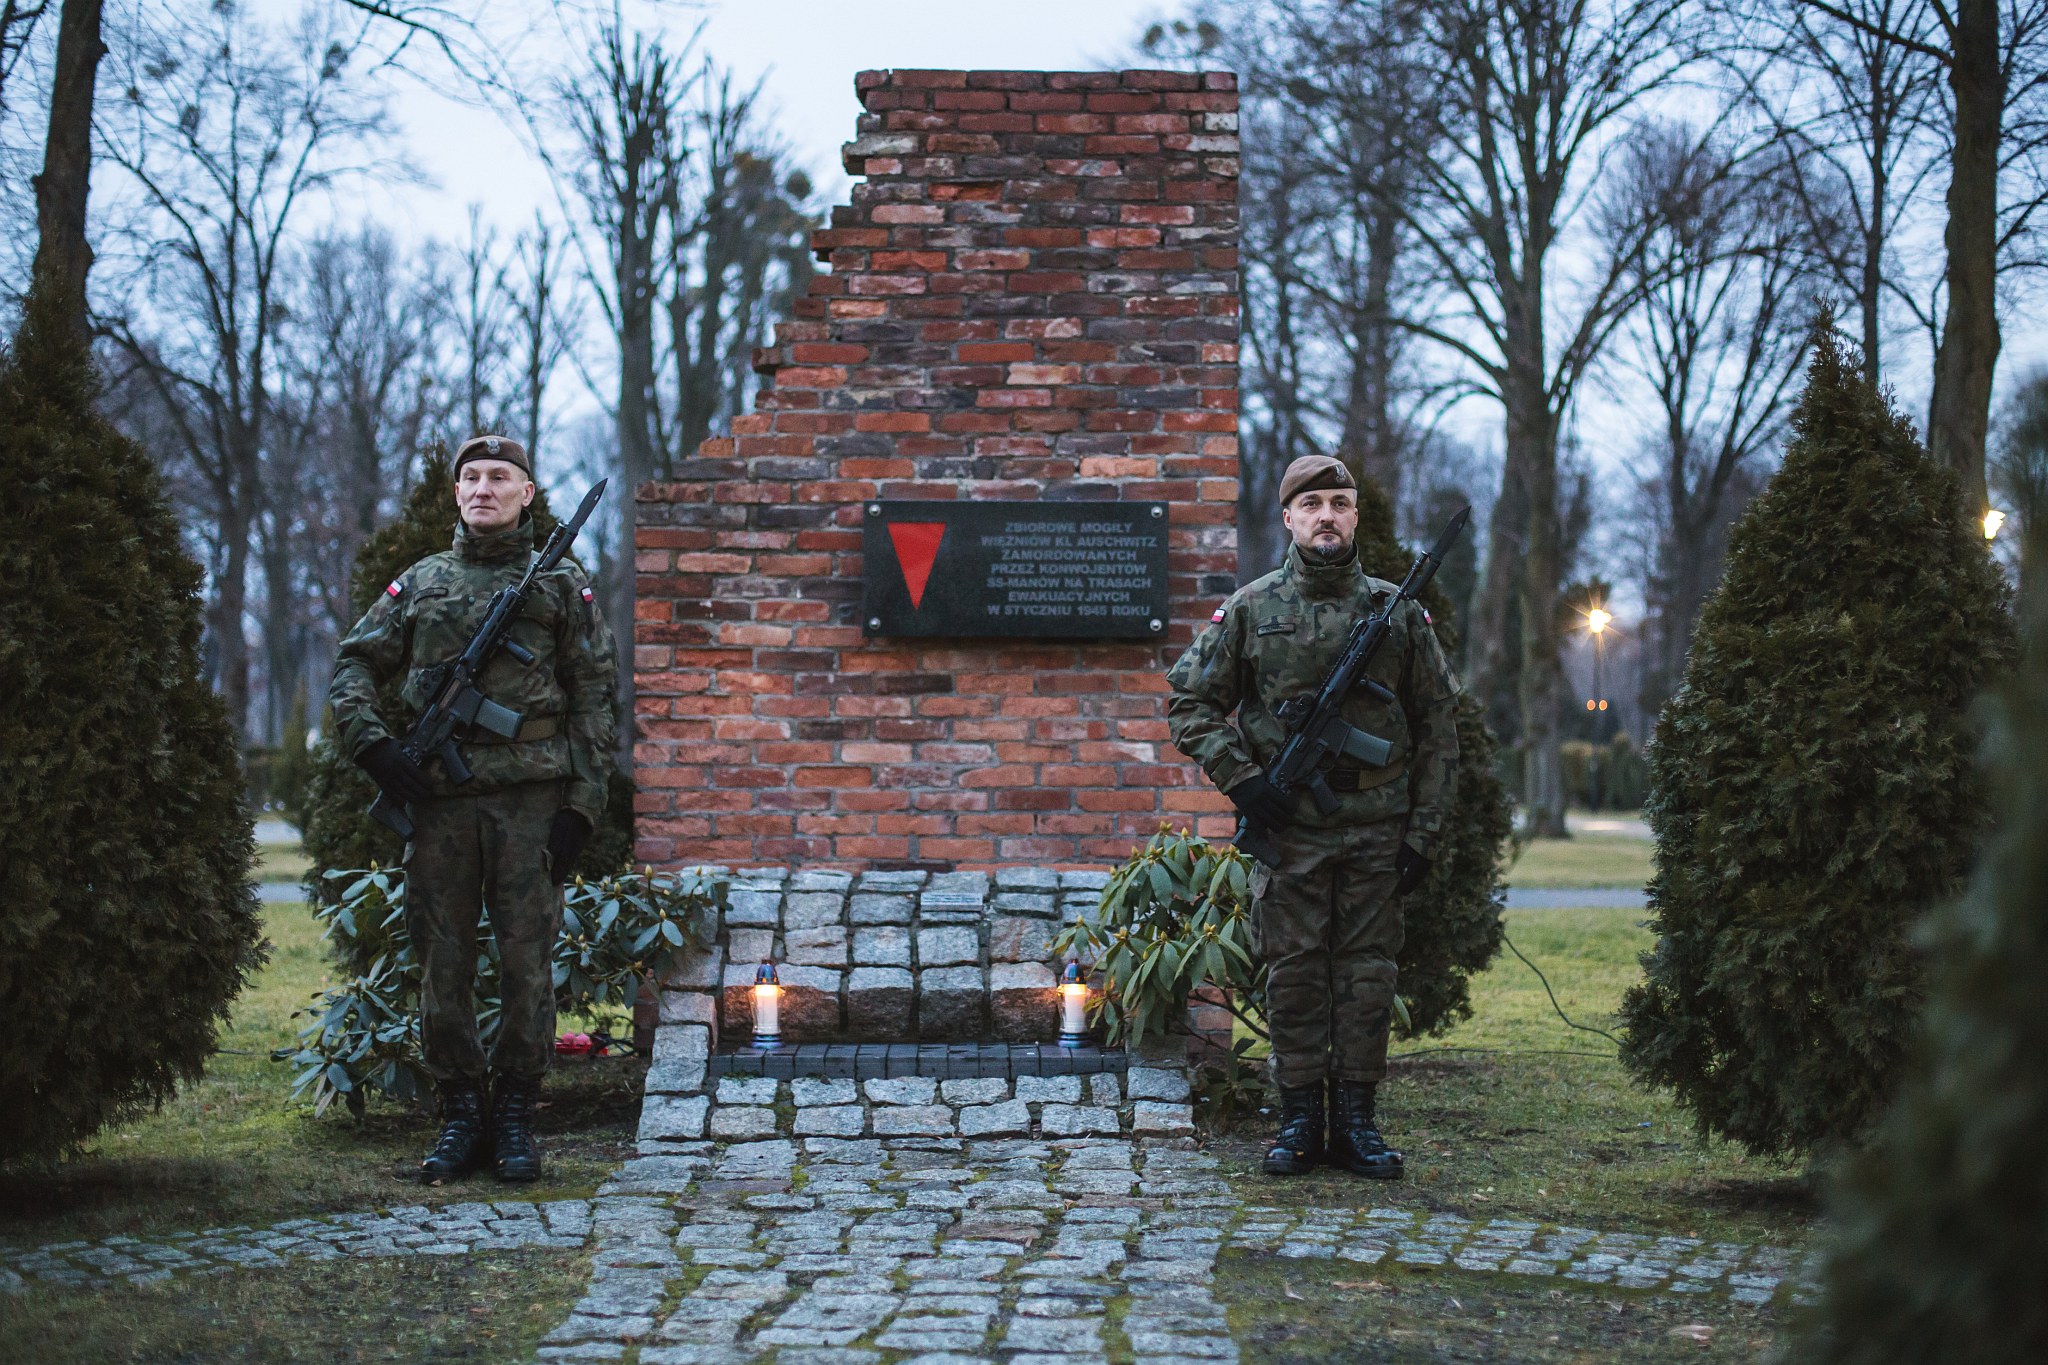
(493, 448)
(1311, 472)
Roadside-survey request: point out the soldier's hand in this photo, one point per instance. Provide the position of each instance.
(1410, 868)
(1260, 802)
(566, 838)
(388, 765)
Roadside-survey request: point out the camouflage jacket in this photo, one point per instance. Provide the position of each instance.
(566, 695)
(1275, 639)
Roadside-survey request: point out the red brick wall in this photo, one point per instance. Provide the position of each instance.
(1033, 295)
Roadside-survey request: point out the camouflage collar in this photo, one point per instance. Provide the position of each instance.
(495, 547)
(1324, 581)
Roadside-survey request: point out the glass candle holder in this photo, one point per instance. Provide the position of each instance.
(1073, 1007)
(767, 1008)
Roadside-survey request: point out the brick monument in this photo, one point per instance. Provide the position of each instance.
(1033, 296)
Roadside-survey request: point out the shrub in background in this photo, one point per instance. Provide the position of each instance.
(1610, 776)
(363, 1036)
(127, 925)
(1812, 792)
(338, 830)
(1937, 1248)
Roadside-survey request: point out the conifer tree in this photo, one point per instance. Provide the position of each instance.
(1938, 1247)
(1812, 790)
(127, 920)
(339, 832)
(1455, 928)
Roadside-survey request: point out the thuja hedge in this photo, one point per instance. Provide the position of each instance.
(1812, 789)
(127, 922)
(1938, 1240)
(338, 830)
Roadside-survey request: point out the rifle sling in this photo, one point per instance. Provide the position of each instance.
(531, 729)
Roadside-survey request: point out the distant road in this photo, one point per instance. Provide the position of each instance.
(1572, 898)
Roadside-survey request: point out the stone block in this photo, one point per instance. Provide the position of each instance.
(1074, 1120)
(929, 1120)
(810, 1002)
(952, 1005)
(754, 946)
(1103, 1089)
(759, 908)
(1153, 1116)
(1157, 1083)
(689, 1007)
(1011, 1118)
(980, 1090)
(673, 1116)
(821, 947)
(906, 880)
(752, 877)
(1024, 1001)
(1020, 938)
(844, 1120)
(902, 1090)
(677, 1066)
(697, 971)
(1040, 906)
(958, 883)
(746, 1089)
(821, 881)
(1083, 880)
(1050, 1089)
(1027, 879)
(742, 1122)
(813, 910)
(880, 909)
(882, 945)
(948, 947)
(816, 1090)
(879, 1003)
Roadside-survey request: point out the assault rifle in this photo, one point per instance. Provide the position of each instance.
(456, 706)
(1316, 735)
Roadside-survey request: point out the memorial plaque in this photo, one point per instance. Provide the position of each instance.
(1047, 570)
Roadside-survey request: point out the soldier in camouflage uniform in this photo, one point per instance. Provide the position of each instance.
(509, 836)
(1327, 919)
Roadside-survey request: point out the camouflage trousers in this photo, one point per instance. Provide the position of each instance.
(468, 852)
(1328, 925)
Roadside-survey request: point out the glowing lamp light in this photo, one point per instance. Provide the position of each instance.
(1992, 521)
(1598, 620)
(1073, 1007)
(767, 1008)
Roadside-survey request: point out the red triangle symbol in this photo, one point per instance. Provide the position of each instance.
(917, 545)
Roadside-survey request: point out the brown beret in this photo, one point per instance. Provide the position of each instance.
(1311, 472)
(492, 448)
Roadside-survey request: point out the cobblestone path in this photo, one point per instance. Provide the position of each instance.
(921, 1251)
(945, 1252)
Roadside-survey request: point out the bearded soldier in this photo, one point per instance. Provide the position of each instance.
(1327, 917)
(508, 837)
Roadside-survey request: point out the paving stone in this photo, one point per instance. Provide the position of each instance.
(1050, 1089)
(746, 1090)
(1151, 1116)
(832, 1121)
(979, 1090)
(1068, 1119)
(817, 1090)
(902, 1090)
(910, 1120)
(1155, 1083)
(742, 1122)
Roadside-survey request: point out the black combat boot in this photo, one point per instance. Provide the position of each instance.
(512, 1142)
(1355, 1141)
(462, 1133)
(1299, 1146)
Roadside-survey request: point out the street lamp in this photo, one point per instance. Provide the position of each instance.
(1597, 622)
(1993, 519)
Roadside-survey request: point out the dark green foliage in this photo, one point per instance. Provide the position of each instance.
(339, 832)
(1812, 792)
(1610, 776)
(127, 925)
(1938, 1246)
(1453, 921)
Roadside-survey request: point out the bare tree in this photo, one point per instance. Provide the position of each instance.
(542, 327)
(1717, 342)
(63, 256)
(1532, 93)
(17, 25)
(224, 136)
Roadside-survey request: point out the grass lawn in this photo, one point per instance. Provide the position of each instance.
(1516, 1113)
(1605, 860)
(492, 1307)
(233, 1149)
(281, 863)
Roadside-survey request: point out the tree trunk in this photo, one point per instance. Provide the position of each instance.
(1488, 633)
(1961, 406)
(63, 256)
(1532, 430)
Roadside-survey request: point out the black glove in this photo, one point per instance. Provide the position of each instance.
(1410, 868)
(1260, 802)
(566, 838)
(401, 779)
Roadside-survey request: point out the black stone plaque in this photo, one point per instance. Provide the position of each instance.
(1046, 570)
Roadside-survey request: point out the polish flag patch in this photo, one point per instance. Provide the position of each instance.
(586, 594)
(394, 590)
(1217, 619)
